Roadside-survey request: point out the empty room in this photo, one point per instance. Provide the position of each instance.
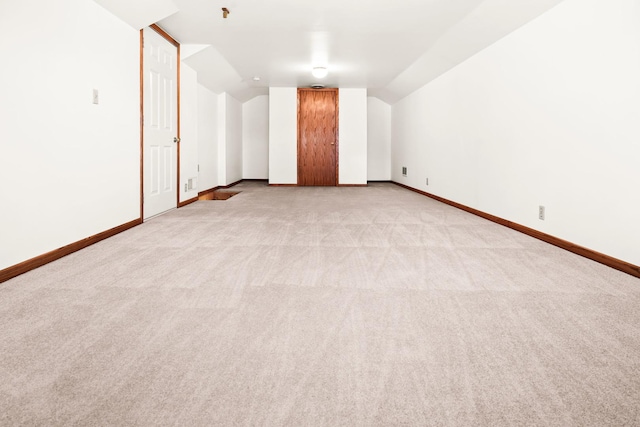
(336, 213)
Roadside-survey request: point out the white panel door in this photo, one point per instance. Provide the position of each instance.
(160, 130)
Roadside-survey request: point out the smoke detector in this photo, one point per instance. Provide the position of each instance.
(317, 86)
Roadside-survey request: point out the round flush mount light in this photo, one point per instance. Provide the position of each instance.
(319, 72)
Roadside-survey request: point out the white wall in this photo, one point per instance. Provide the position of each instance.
(69, 169)
(219, 139)
(188, 131)
(222, 139)
(207, 139)
(546, 116)
(283, 129)
(378, 140)
(230, 139)
(353, 136)
(255, 138)
(233, 137)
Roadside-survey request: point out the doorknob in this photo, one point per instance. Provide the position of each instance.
(176, 139)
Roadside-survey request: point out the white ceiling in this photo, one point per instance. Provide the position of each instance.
(390, 47)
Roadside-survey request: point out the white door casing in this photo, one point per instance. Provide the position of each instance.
(160, 129)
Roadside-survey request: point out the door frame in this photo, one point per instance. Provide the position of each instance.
(337, 146)
(174, 42)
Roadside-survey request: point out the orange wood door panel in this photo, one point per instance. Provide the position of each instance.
(317, 137)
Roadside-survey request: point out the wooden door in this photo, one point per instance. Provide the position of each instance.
(160, 130)
(317, 136)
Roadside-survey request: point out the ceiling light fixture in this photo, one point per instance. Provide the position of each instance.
(319, 72)
(256, 79)
(225, 12)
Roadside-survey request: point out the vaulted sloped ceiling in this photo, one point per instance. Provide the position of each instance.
(389, 47)
(140, 13)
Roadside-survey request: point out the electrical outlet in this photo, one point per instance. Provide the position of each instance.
(404, 171)
(541, 212)
(96, 97)
(427, 181)
(186, 187)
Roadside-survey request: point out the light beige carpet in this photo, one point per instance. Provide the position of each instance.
(320, 307)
